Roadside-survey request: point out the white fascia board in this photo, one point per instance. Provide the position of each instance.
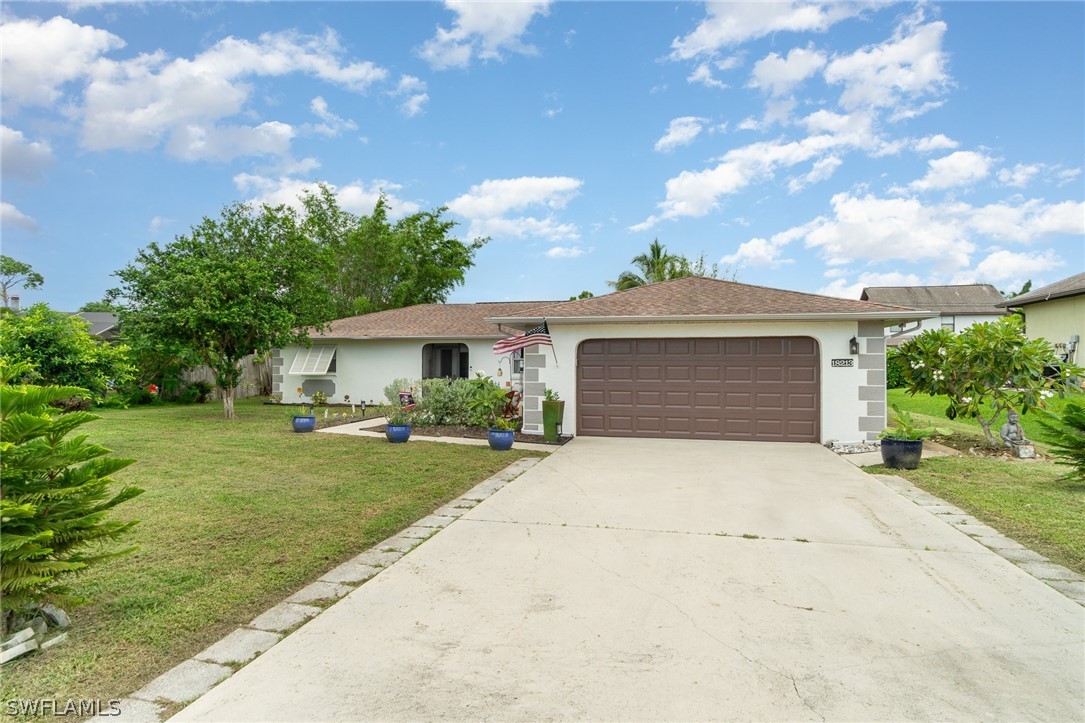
(495, 337)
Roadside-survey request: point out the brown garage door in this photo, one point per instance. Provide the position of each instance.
(764, 389)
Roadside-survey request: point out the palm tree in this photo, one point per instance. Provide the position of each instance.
(656, 265)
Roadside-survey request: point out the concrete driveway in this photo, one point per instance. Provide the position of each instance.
(682, 580)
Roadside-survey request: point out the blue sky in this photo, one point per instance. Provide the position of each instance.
(813, 146)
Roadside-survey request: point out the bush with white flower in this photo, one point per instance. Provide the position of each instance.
(986, 370)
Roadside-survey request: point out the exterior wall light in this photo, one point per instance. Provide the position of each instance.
(853, 346)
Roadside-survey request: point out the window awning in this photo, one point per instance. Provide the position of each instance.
(314, 360)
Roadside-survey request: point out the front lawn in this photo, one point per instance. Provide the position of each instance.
(1025, 500)
(236, 516)
(933, 410)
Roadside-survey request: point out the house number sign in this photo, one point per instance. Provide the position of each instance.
(843, 362)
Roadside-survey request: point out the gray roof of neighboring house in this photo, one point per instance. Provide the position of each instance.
(960, 299)
(102, 323)
(1067, 287)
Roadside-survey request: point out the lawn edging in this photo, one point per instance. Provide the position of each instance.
(1063, 579)
(184, 683)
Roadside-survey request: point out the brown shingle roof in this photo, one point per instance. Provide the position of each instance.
(700, 296)
(961, 299)
(438, 321)
(1067, 287)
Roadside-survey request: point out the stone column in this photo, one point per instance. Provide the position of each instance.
(872, 389)
(533, 391)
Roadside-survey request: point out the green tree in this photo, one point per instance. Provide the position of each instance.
(374, 264)
(104, 306)
(62, 351)
(1068, 438)
(985, 370)
(661, 265)
(14, 274)
(242, 284)
(1024, 290)
(55, 493)
(582, 295)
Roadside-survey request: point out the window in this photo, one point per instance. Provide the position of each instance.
(949, 323)
(314, 361)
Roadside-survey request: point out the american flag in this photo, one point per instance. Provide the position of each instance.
(537, 335)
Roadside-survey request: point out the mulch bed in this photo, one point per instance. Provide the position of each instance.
(977, 448)
(468, 433)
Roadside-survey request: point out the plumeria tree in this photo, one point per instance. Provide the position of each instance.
(986, 370)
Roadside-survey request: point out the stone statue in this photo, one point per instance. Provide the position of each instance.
(1011, 431)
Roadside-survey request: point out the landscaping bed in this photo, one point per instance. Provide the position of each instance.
(236, 516)
(446, 430)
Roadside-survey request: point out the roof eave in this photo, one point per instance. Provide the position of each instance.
(417, 337)
(1011, 303)
(818, 316)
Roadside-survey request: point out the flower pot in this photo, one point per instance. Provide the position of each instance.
(553, 412)
(501, 439)
(303, 423)
(397, 433)
(901, 453)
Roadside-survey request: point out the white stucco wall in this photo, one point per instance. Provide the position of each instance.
(960, 322)
(364, 367)
(842, 409)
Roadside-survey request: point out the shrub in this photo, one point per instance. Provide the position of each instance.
(1068, 438)
(54, 496)
(140, 396)
(444, 401)
(894, 370)
(320, 398)
(391, 392)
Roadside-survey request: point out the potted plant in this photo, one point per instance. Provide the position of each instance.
(902, 444)
(488, 403)
(553, 409)
(398, 428)
(303, 419)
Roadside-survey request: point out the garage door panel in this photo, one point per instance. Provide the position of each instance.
(727, 388)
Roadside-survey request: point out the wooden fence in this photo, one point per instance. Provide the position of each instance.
(255, 378)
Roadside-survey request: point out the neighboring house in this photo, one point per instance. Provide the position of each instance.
(1056, 313)
(957, 307)
(360, 355)
(102, 324)
(702, 358)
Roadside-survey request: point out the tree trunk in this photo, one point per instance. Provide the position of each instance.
(228, 402)
(991, 441)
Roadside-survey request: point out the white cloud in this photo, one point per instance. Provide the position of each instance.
(779, 76)
(157, 223)
(703, 74)
(765, 252)
(730, 23)
(416, 96)
(141, 102)
(961, 168)
(21, 157)
(487, 204)
(939, 142)
(332, 124)
(1002, 266)
(482, 30)
(1068, 175)
(565, 252)
(357, 197)
(11, 217)
(1020, 176)
(842, 289)
(681, 132)
(823, 169)
(1028, 222)
(40, 57)
(909, 65)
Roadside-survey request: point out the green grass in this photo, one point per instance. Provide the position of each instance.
(933, 410)
(236, 516)
(1024, 500)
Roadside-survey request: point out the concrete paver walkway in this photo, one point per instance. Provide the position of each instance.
(656, 579)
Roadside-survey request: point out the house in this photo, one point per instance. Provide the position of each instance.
(103, 325)
(1056, 313)
(689, 358)
(709, 359)
(360, 355)
(957, 307)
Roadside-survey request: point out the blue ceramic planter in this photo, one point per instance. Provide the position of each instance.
(304, 424)
(398, 433)
(501, 439)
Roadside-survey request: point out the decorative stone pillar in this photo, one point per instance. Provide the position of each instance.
(533, 391)
(872, 389)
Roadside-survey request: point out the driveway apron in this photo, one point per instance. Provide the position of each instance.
(682, 580)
